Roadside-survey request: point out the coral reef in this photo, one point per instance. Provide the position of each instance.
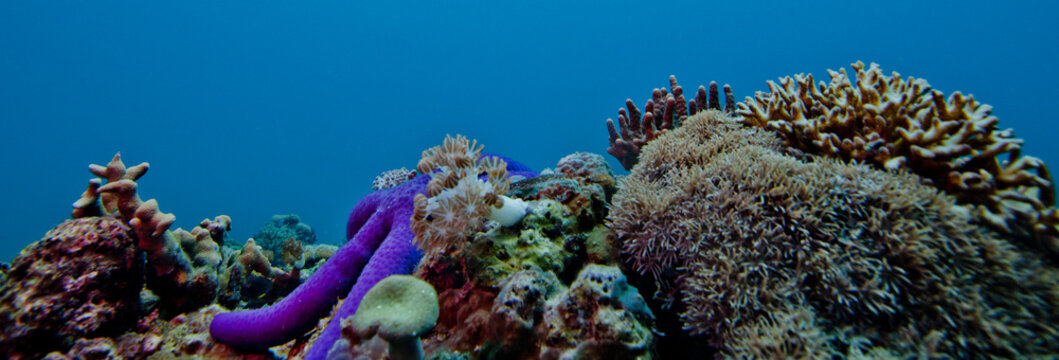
(749, 239)
(183, 337)
(896, 123)
(380, 245)
(599, 317)
(277, 231)
(82, 279)
(180, 283)
(456, 201)
(664, 111)
(250, 281)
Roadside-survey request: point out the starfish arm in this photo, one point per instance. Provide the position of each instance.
(364, 209)
(298, 313)
(396, 256)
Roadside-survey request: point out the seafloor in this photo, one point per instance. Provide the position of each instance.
(867, 217)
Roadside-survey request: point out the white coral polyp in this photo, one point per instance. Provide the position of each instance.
(510, 213)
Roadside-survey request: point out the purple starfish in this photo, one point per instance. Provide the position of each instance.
(380, 245)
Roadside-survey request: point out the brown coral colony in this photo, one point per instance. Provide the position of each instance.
(663, 112)
(896, 123)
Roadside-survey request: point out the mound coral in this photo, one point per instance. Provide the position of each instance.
(663, 112)
(896, 123)
(749, 239)
(399, 309)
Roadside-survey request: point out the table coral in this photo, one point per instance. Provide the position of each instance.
(751, 238)
(380, 244)
(895, 123)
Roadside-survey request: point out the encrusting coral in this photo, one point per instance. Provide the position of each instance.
(895, 123)
(749, 239)
(664, 111)
(599, 317)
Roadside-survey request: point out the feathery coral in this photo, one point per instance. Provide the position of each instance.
(456, 200)
(896, 123)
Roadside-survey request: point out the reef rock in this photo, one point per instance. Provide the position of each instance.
(83, 279)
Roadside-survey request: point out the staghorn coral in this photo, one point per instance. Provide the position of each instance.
(83, 279)
(896, 123)
(739, 233)
(663, 112)
(456, 201)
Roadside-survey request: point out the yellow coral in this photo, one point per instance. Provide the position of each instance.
(896, 123)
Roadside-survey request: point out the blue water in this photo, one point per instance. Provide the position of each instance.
(256, 108)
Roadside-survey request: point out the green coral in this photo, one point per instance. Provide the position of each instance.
(501, 252)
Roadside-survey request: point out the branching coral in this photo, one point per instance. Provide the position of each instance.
(180, 283)
(740, 231)
(456, 201)
(663, 112)
(896, 123)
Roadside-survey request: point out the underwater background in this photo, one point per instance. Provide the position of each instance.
(273, 107)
